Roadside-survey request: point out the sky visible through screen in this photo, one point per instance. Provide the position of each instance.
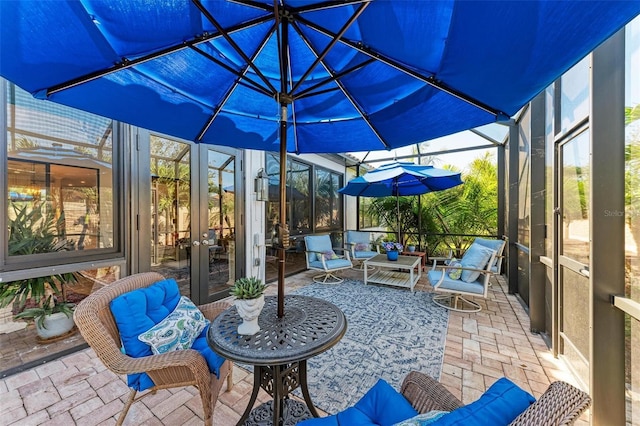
(460, 160)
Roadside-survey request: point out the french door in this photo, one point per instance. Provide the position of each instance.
(574, 250)
(194, 220)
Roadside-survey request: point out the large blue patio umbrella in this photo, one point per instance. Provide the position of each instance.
(300, 75)
(401, 179)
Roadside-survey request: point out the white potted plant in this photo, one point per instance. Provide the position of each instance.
(249, 294)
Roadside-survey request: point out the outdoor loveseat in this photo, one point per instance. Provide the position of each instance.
(561, 404)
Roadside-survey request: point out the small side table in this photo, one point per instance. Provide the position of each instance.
(279, 351)
(422, 254)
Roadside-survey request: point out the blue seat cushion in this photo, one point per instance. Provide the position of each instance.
(139, 310)
(364, 254)
(452, 285)
(382, 405)
(332, 264)
(499, 405)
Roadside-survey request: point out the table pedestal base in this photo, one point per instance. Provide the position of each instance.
(279, 381)
(292, 413)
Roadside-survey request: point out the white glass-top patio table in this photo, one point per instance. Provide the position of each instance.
(404, 272)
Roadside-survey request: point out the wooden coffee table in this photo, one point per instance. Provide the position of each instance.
(404, 272)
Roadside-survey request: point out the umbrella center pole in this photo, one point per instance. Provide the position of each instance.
(283, 239)
(283, 100)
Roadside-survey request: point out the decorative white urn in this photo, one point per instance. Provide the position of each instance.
(55, 325)
(249, 310)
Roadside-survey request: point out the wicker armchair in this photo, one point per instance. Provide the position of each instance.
(172, 369)
(560, 404)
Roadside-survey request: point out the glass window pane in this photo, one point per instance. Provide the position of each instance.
(298, 198)
(574, 95)
(273, 205)
(575, 316)
(298, 211)
(170, 210)
(549, 170)
(632, 370)
(632, 156)
(575, 198)
(328, 200)
(524, 185)
(297, 193)
(221, 220)
(59, 177)
(632, 214)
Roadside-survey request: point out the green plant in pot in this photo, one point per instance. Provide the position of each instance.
(41, 299)
(249, 293)
(248, 288)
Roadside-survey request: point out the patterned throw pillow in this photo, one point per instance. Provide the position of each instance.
(453, 271)
(422, 419)
(178, 330)
(327, 255)
(362, 247)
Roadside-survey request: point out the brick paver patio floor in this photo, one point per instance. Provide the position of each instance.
(480, 348)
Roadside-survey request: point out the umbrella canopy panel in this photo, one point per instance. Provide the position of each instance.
(400, 179)
(357, 76)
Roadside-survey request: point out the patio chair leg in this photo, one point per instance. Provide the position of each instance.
(360, 267)
(327, 278)
(230, 378)
(125, 410)
(456, 302)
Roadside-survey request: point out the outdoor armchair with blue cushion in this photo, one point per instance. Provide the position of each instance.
(424, 401)
(494, 244)
(469, 277)
(127, 322)
(360, 247)
(321, 256)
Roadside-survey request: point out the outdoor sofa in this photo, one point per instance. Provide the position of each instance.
(504, 403)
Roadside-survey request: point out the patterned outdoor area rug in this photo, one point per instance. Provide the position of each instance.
(390, 332)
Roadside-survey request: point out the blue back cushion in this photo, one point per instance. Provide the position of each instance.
(475, 257)
(355, 237)
(499, 405)
(495, 245)
(382, 405)
(137, 311)
(317, 244)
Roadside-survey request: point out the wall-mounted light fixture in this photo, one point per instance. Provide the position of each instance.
(262, 186)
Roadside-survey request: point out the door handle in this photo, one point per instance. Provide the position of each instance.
(196, 243)
(584, 271)
(205, 242)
